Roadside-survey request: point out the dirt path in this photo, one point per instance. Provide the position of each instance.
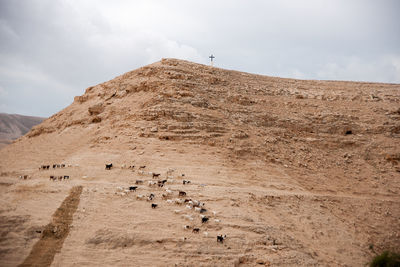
(55, 232)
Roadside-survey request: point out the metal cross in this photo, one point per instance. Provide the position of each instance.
(211, 57)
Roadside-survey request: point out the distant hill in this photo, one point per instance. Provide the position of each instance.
(12, 126)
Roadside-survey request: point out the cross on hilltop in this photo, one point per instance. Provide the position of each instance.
(212, 57)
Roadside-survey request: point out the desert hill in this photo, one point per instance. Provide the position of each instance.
(298, 172)
(13, 126)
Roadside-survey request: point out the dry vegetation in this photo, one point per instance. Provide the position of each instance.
(301, 173)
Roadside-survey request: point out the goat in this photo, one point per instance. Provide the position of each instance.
(186, 182)
(204, 219)
(133, 188)
(182, 193)
(142, 167)
(62, 166)
(140, 196)
(188, 217)
(66, 177)
(168, 191)
(169, 201)
(52, 177)
(161, 183)
(202, 210)
(54, 166)
(178, 201)
(153, 206)
(186, 227)
(152, 183)
(197, 209)
(155, 175)
(151, 197)
(139, 182)
(221, 238)
(109, 166)
(196, 230)
(188, 207)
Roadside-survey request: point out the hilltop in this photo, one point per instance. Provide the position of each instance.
(301, 172)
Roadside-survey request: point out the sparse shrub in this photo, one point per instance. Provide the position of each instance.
(386, 259)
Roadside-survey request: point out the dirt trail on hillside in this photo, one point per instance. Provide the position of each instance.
(55, 232)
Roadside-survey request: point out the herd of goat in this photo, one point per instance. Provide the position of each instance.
(55, 166)
(167, 195)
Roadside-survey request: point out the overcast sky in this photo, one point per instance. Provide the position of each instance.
(51, 51)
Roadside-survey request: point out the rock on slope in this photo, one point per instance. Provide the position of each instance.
(302, 172)
(13, 126)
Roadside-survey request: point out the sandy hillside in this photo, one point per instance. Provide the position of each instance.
(293, 172)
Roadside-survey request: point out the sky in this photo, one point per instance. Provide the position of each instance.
(52, 50)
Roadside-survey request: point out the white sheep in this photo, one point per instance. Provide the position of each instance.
(216, 220)
(205, 234)
(188, 207)
(140, 196)
(177, 211)
(197, 209)
(169, 201)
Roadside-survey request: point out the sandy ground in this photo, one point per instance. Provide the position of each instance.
(279, 174)
(267, 216)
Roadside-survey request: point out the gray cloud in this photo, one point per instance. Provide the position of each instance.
(51, 51)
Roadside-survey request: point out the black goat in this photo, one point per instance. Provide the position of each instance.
(153, 206)
(204, 219)
(221, 238)
(109, 166)
(133, 188)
